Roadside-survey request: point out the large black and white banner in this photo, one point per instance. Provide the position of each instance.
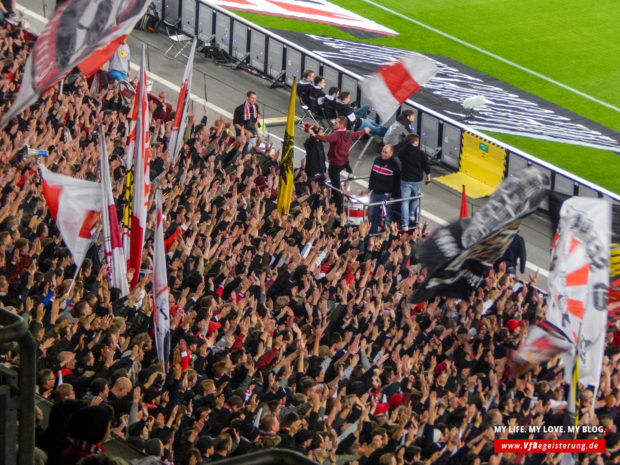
(508, 110)
(457, 256)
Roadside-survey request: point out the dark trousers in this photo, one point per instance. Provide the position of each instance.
(334, 178)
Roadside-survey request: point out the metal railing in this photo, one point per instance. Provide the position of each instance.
(14, 329)
(278, 57)
(356, 199)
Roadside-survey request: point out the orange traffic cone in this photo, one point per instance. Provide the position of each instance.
(463, 213)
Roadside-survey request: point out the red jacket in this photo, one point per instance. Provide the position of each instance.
(339, 145)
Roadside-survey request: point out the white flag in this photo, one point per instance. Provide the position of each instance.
(77, 29)
(579, 280)
(180, 117)
(161, 315)
(75, 205)
(114, 256)
(392, 84)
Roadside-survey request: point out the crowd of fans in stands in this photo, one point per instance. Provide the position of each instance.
(292, 332)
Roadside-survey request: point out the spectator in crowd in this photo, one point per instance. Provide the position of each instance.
(515, 256)
(330, 104)
(357, 119)
(317, 95)
(118, 66)
(338, 154)
(383, 185)
(414, 165)
(304, 86)
(399, 130)
(246, 116)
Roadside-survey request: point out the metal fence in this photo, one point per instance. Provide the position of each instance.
(279, 58)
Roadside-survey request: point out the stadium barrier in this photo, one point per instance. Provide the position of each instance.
(17, 393)
(279, 58)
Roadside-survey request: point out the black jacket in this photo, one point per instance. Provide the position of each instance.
(315, 157)
(414, 163)
(385, 177)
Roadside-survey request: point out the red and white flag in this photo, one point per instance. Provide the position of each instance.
(112, 245)
(75, 205)
(161, 315)
(392, 84)
(141, 179)
(578, 283)
(77, 29)
(180, 117)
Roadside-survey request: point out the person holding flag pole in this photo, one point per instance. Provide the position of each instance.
(285, 186)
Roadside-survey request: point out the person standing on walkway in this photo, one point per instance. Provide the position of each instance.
(383, 184)
(246, 116)
(118, 66)
(414, 165)
(338, 153)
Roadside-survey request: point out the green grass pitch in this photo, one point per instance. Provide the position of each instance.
(571, 42)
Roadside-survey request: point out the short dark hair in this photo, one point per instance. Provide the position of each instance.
(318, 79)
(344, 95)
(333, 90)
(411, 138)
(407, 113)
(250, 93)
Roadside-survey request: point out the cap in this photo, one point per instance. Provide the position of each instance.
(513, 324)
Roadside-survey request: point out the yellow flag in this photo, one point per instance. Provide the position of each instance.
(285, 186)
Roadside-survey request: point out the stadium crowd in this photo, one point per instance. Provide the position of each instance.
(292, 332)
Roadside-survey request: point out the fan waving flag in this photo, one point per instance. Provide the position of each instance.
(285, 186)
(75, 205)
(77, 29)
(180, 117)
(113, 248)
(141, 179)
(392, 84)
(161, 315)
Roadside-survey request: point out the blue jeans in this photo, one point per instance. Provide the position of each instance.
(375, 128)
(409, 208)
(374, 211)
(117, 75)
(362, 112)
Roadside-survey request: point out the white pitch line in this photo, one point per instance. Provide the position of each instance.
(493, 55)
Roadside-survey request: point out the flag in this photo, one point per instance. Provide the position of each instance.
(180, 117)
(77, 29)
(614, 266)
(392, 84)
(542, 342)
(285, 186)
(578, 283)
(100, 57)
(464, 213)
(141, 181)
(457, 256)
(113, 247)
(161, 315)
(75, 205)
